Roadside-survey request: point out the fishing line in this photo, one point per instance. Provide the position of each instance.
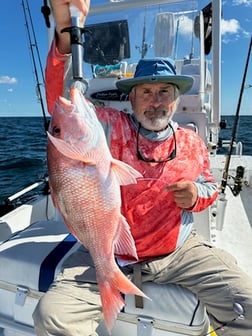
(33, 44)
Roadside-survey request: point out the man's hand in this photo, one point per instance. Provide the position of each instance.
(62, 17)
(185, 193)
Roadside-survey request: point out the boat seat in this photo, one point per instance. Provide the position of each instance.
(171, 310)
(29, 262)
(31, 257)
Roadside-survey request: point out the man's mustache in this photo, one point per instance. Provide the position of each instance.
(157, 109)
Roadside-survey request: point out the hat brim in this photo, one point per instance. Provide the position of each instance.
(184, 83)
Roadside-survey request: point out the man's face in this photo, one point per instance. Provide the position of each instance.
(153, 104)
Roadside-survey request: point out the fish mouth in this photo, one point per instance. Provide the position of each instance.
(67, 105)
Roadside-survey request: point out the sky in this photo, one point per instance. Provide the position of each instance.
(17, 78)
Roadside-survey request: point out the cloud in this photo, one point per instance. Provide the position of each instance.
(8, 80)
(230, 26)
(231, 30)
(185, 25)
(247, 3)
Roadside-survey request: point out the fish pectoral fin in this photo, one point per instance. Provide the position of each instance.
(125, 174)
(124, 242)
(73, 152)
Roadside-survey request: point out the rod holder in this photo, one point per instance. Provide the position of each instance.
(220, 212)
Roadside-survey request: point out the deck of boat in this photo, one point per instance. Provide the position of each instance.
(236, 235)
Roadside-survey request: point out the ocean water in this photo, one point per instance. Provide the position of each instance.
(22, 153)
(23, 150)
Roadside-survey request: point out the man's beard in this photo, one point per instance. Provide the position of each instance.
(155, 119)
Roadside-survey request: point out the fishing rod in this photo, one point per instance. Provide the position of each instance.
(144, 48)
(144, 44)
(33, 44)
(240, 170)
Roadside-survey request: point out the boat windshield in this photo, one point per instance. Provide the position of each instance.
(121, 32)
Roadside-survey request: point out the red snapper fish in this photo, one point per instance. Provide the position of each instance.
(85, 186)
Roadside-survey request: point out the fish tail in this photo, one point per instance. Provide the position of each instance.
(112, 303)
(112, 300)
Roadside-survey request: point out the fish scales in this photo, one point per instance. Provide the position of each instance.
(85, 186)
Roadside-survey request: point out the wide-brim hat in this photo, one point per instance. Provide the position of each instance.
(157, 70)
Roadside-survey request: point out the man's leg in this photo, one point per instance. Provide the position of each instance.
(213, 275)
(71, 306)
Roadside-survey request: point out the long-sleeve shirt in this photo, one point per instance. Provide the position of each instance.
(157, 224)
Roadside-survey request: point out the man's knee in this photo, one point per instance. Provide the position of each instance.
(59, 314)
(44, 315)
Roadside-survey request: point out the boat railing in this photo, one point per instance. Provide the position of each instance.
(23, 196)
(237, 146)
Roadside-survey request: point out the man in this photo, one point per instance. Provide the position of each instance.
(158, 209)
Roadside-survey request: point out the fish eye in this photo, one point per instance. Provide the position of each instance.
(56, 130)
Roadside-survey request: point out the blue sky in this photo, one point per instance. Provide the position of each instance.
(17, 80)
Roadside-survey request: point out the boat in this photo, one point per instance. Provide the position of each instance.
(34, 240)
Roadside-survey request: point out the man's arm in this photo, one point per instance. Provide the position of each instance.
(62, 17)
(57, 67)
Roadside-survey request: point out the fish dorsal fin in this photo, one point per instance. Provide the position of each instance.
(124, 243)
(125, 174)
(74, 152)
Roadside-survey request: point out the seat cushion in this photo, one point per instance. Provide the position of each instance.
(30, 258)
